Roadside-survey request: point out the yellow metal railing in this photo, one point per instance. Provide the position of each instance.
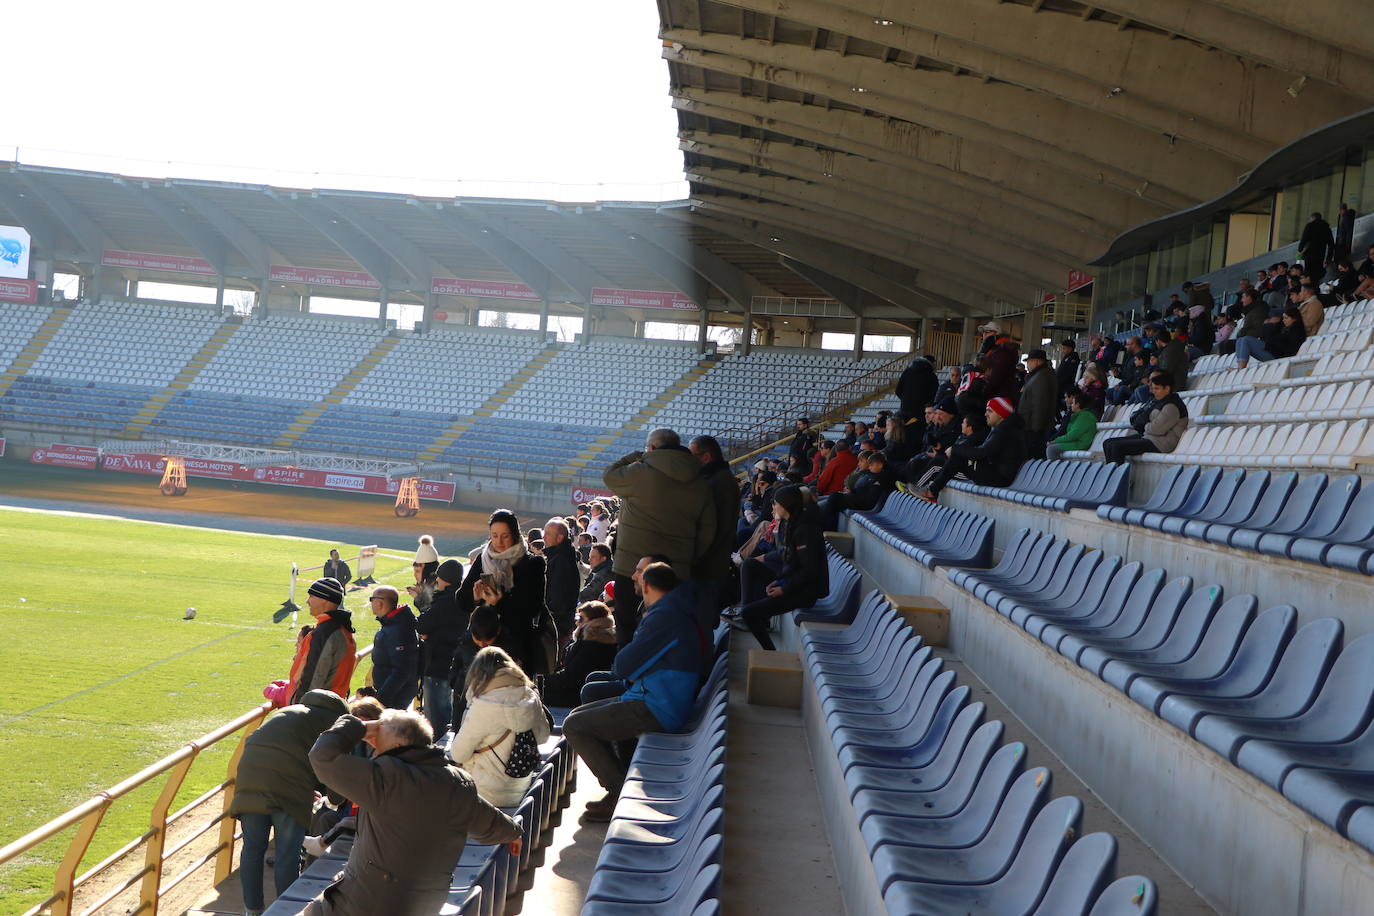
(87, 817)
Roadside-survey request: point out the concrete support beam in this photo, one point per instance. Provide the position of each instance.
(44, 229)
(348, 240)
(399, 249)
(78, 224)
(1036, 126)
(954, 174)
(675, 273)
(579, 276)
(517, 260)
(979, 225)
(245, 241)
(210, 245)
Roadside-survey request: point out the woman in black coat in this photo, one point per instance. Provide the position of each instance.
(441, 626)
(507, 577)
(805, 576)
(592, 648)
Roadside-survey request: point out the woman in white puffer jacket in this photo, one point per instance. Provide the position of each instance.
(502, 703)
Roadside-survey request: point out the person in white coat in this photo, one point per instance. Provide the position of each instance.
(600, 525)
(502, 703)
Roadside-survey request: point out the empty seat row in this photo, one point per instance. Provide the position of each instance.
(1060, 485)
(1350, 400)
(1283, 703)
(954, 820)
(1316, 519)
(931, 535)
(662, 851)
(1326, 444)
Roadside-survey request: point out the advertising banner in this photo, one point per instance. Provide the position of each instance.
(1077, 280)
(25, 291)
(641, 299)
(147, 260)
(15, 246)
(587, 494)
(491, 289)
(320, 276)
(146, 463)
(67, 456)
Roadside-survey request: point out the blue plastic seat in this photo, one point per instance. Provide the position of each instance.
(656, 889)
(1206, 659)
(1133, 895)
(947, 799)
(1112, 582)
(1325, 518)
(1259, 516)
(1169, 494)
(968, 741)
(1153, 636)
(1082, 875)
(1350, 545)
(1212, 493)
(1295, 513)
(1108, 621)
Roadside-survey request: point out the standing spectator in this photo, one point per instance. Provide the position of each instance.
(805, 576)
(424, 568)
(505, 575)
(1066, 373)
(1345, 232)
(1002, 360)
(592, 649)
(562, 575)
(501, 704)
(1038, 403)
(1173, 356)
(842, 462)
(1316, 246)
(993, 462)
(337, 569)
(600, 573)
(1199, 294)
(583, 543)
(903, 439)
(416, 812)
(1078, 435)
(484, 629)
(660, 668)
(395, 650)
(667, 507)
(916, 388)
(600, 525)
(1158, 425)
(326, 655)
(801, 443)
(274, 789)
(715, 566)
(441, 627)
(991, 331)
(972, 394)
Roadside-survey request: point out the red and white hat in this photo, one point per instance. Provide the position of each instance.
(1001, 406)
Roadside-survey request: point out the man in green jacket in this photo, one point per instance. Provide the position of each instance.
(1082, 428)
(274, 790)
(666, 507)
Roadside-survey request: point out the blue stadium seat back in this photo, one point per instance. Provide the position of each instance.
(658, 812)
(1244, 499)
(1084, 592)
(1071, 576)
(651, 887)
(1061, 554)
(1093, 605)
(1116, 487)
(1271, 503)
(966, 741)
(1081, 876)
(886, 637)
(1272, 760)
(1189, 654)
(1045, 550)
(639, 787)
(659, 856)
(1170, 493)
(1360, 827)
(647, 757)
(1167, 642)
(1256, 681)
(860, 669)
(904, 727)
(893, 839)
(1109, 621)
(886, 694)
(1045, 838)
(1296, 511)
(1134, 895)
(1340, 709)
(1196, 509)
(1333, 796)
(1348, 546)
(1326, 517)
(874, 608)
(1126, 635)
(943, 801)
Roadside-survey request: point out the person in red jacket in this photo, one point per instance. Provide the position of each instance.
(842, 462)
(326, 656)
(1001, 381)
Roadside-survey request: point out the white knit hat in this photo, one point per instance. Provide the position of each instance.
(426, 553)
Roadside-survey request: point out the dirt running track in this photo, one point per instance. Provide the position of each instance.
(233, 506)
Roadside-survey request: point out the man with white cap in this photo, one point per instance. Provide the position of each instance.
(326, 655)
(995, 462)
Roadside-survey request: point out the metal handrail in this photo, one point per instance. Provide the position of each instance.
(87, 817)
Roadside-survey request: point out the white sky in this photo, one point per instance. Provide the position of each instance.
(533, 99)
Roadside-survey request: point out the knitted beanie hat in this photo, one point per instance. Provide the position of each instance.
(1001, 406)
(426, 553)
(328, 589)
(451, 571)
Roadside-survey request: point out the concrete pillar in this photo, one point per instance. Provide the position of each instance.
(588, 320)
(219, 290)
(969, 344)
(703, 325)
(923, 336)
(858, 338)
(381, 306)
(427, 316)
(748, 332)
(543, 316)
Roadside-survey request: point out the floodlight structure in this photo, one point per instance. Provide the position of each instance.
(173, 476)
(408, 498)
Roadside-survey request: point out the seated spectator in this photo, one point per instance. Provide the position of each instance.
(1082, 427)
(1173, 355)
(598, 575)
(660, 669)
(1158, 425)
(1284, 340)
(502, 706)
(326, 656)
(1313, 312)
(1365, 289)
(1094, 388)
(592, 649)
(861, 434)
(992, 463)
(950, 386)
(275, 791)
(1345, 281)
(842, 462)
(869, 491)
(899, 448)
(416, 812)
(804, 577)
(941, 433)
(1226, 328)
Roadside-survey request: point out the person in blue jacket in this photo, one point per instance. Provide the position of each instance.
(661, 669)
(395, 650)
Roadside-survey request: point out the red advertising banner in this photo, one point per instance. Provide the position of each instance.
(641, 299)
(490, 289)
(319, 276)
(587, 494)
(25, 291)
(1077, 280)
(145, 463)
(67, 456)
(147, 260)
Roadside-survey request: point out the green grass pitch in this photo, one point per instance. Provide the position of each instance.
(100, 676)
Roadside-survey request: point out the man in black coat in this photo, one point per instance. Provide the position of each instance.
(1038, 401)
(1066, 373)
(916, 388)
(336, 568)
(995, 462)
(1345, 232)
(395, 650)
(1316, 246)
(562, 575)
(600, 573)
(715, 566)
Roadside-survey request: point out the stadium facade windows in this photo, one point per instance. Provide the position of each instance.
(873, 343)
